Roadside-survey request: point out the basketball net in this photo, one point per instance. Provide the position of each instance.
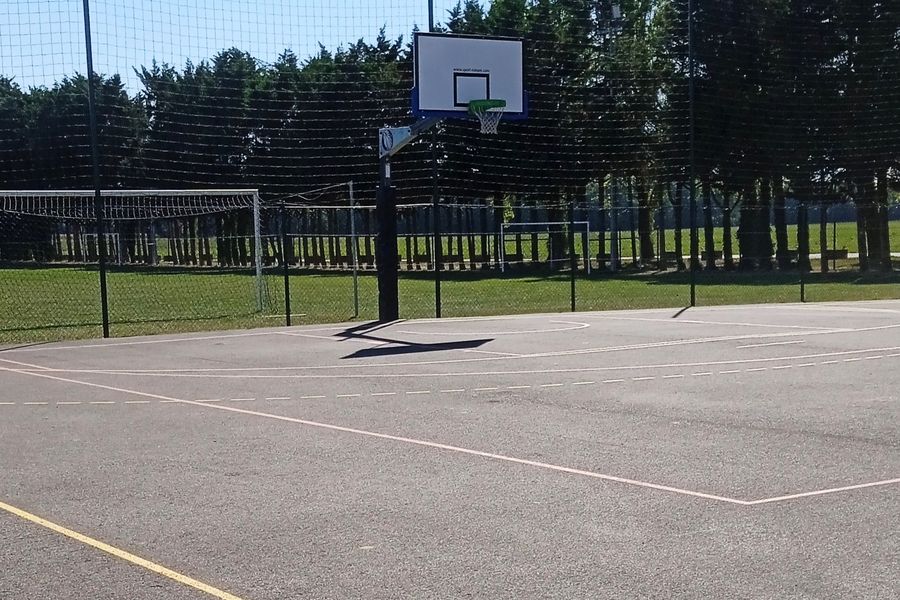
(490, 120)
(489, 113)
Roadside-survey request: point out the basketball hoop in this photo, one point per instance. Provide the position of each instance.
(489, 113)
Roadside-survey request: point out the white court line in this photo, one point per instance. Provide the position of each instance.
(493, 456)
(384, 393)
(698, 322)
(825, 306)
(278, 398)
(34, 403)
(45, 348)
(576, 325)
(772, 344)
(332, 338)
(412, 441)
(846, 488)
(490, 352)
(218, 375)
(137, 402)
(561, 353)
(29, 365)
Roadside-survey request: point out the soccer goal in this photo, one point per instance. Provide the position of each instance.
(523, 243)
(206, 227)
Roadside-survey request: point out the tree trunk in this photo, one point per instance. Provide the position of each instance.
(873, 229)
(782, 253)
(601, 229)
(884, 222)
(678, 209)
(764, 226)
(557, 246)
(747, 235)
(823, 237)
(661, 225)
(645, 223)
(632, 222)
(694, 230)
(709, 250)
(802, 190)
(470, 237)
(497, 213)
(485, 242)
(727, 251)
(862, 202)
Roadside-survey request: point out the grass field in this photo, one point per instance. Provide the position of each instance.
(63, 303)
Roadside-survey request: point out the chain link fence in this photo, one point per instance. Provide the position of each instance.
(201, 272)
(676, 153)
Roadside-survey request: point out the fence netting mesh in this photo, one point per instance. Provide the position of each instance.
(748, 147)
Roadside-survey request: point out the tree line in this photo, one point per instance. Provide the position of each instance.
(791, 99)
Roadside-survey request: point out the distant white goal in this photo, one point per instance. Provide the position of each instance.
(543, 230)
(154, 215)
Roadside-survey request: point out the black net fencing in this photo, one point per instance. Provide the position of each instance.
(676, 152)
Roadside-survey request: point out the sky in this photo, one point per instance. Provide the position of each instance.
(42, 41)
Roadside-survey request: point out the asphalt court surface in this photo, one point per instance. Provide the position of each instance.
(743, 452)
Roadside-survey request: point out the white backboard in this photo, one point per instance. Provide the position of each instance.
(452, 70)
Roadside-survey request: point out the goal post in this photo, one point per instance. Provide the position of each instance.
(337, 204)
(59, 211)
(545, 227)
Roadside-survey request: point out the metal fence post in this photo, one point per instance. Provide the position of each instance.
(695, 240)
(284, 265)
(95, 159)
(354, 252)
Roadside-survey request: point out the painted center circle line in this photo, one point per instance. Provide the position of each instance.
(571, 326)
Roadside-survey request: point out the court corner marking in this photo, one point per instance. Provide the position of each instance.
(836, 490)
(499, 457)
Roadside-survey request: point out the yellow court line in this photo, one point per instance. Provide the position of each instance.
(127, 556)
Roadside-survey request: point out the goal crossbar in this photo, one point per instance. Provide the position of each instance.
(126, 205)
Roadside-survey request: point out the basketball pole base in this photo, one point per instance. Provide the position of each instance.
(387, 254)
(387, 258)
